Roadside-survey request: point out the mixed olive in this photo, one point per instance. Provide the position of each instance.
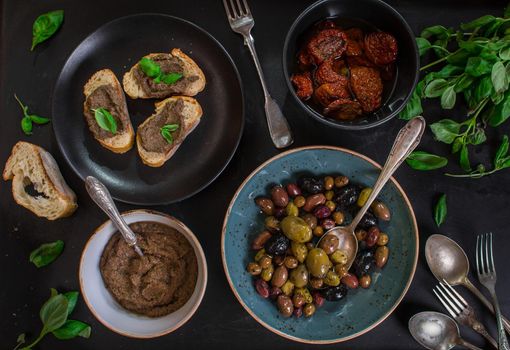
(288, 267)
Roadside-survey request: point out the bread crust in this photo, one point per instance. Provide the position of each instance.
(120, 143)
(192, 116)
(134, 90)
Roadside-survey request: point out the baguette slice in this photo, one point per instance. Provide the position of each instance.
(31, 164)
(192, 113)
(121, 142)
(190, 68)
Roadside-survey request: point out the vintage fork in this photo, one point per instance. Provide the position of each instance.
(241, 21)
(487, 277)
(460, 310)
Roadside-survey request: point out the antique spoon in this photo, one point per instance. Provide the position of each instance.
(436, 331)
(448, 261)
(406, 141)
(101, 196)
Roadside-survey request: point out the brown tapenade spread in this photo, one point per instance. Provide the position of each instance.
(105, 97)
(150, 134)
(168, 64)
(158, 283)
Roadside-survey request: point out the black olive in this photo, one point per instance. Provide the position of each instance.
(364, 262)
(277, 245)
(368, 220)
(334, 293)
(310, 184)
(346, 196)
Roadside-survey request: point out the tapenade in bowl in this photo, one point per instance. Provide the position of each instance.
(351, 65)
(149, 296)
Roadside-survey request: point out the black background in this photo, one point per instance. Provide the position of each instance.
(474, 206)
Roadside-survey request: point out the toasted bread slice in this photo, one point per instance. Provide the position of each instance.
(190, 68)
(123, 140)
(192, 113)
(32, 165)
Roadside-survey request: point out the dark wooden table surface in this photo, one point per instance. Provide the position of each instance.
(474, 206)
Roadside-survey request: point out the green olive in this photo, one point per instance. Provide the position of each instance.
(317, 262)
(332, 279)
(339, 257)
(287, 288)
(292, 209)
(299, 276)
(299, 251)
(267, 273)
(296, 229)
(305, 293)
(272, 224)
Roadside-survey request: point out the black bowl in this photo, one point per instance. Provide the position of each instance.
(369, 15)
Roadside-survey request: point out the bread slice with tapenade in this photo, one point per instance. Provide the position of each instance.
(137, 84)
(179, 115)
(103, 90)
(31, 165)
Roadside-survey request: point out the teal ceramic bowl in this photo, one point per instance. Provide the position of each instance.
(362, 309)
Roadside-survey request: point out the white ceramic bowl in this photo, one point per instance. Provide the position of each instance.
(103, 305)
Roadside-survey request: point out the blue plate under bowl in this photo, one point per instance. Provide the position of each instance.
(362, 309)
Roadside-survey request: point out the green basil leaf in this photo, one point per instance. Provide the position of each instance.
(38, 120)
(477, 66)
(448, 71)
(167, 135)
(150, 67)
(171, 127)
(473, 47)
(483, 89)
(477, 23)
(436, 88)
(53, 292)
(501, 152)
(492, 28)
(105, 120)
(501, 112)
(437, 30)
(448, 98)
(72, 299)
(457, 145)
(45, 26)
(445, 130)
(440, 210)
(171, 78)
(499, 78)
(53, 313)
(476, 138)
(71, 329)
(423, 45)
(421, 160)
(46, 253)
(26, 125)
(441, 43)
(464, 158)
(459, 58)
(413, 107)
(504, 54)
(463, 83)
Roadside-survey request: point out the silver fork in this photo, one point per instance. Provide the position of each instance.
(241, 21)
(487, 277)
(460, 310)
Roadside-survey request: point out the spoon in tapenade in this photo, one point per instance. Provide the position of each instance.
(406, 141)
(101, 196)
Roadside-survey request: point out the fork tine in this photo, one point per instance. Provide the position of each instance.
(227, 10)
(452, 297)
(455, 292)
(450, 302)
(478, 258)
(241, 10)
(493, 269)
(248, 12)
(235, 14)
(443, 301)
(487, 266)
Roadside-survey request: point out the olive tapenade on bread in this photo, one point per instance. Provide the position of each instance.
(106, 112)
(159, 137)
(159, 75)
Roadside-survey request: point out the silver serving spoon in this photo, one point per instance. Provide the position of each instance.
(406, 141)
(447, 260)
(436, 331)
(101, 196)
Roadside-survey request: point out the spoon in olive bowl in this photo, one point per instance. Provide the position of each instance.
(436, 331)
(101, 196)
(448, 261)
(406, 141)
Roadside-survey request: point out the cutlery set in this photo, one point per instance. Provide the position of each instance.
(450, 266)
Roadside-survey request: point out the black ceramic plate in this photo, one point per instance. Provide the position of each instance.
(205, 152)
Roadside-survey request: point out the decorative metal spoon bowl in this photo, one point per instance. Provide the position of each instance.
(406, 141)
(436, 331)
(101, 196)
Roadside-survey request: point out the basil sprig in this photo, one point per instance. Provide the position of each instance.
(105, 120)
(167, 130)
(54, 316)
(46, 253)
(45, 26)
(475, 63)
(440, 210)
(29, 119)
(153, 70)
(421, 160)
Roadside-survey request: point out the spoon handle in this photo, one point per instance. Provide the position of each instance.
(468, 345)
(101, 196)
(469, 285)
(406, 141)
